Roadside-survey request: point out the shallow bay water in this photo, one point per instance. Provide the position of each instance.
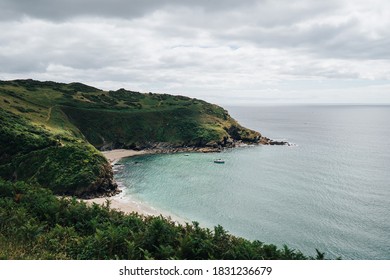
(330, 191)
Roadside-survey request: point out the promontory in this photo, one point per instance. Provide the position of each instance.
(52, 133)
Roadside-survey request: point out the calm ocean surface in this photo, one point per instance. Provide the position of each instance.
(331, 191)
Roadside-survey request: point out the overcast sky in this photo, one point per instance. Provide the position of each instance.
(223, 51)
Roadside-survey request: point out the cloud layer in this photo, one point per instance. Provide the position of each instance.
(222, 51)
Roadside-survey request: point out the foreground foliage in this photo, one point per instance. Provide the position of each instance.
(34, 224)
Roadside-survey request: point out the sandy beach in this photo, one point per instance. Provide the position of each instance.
(114, 155)
(129, 204)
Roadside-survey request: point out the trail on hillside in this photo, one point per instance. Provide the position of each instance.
(49, 113)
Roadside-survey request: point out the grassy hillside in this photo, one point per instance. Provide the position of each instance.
(121, 118)
(63, 163)
(51, 132)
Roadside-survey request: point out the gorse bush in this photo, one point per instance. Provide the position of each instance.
(34, 224)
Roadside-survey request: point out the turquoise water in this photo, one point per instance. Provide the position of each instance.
(331, 191)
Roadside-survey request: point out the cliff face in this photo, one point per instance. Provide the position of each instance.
(51, 132)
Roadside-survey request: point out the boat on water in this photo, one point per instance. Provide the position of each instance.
(219, 161)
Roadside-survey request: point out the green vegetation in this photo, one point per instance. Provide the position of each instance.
(50, 132)
(50, 135)
(62, 163)
(122, 118)
(34, 224)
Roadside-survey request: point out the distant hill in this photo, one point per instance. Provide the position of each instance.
(51, 132)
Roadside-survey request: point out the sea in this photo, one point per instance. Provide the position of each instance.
(329, 190)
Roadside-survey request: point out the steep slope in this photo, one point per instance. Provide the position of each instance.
(50, 132)
(65, 165)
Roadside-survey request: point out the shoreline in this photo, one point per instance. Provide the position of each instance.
(130, 204)
(114, 156)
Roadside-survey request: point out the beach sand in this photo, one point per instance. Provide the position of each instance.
(114, 155)
(129, 204)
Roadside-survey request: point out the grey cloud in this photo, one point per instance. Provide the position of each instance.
(284, 13)
(326, 40)
(319, 71)
(128, 9)
(305, 25)
(22, 64)
(356, 46)
(61, 10)
(266, 23)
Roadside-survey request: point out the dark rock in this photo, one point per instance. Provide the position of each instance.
(280, 143)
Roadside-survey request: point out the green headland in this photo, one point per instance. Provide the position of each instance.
(51, 139)
(51, 133)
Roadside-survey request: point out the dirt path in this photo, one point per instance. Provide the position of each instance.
(49, 114)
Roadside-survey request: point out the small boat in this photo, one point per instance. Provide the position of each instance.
(219, 161)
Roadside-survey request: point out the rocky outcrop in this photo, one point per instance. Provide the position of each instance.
(267, 141)
(104, 186)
